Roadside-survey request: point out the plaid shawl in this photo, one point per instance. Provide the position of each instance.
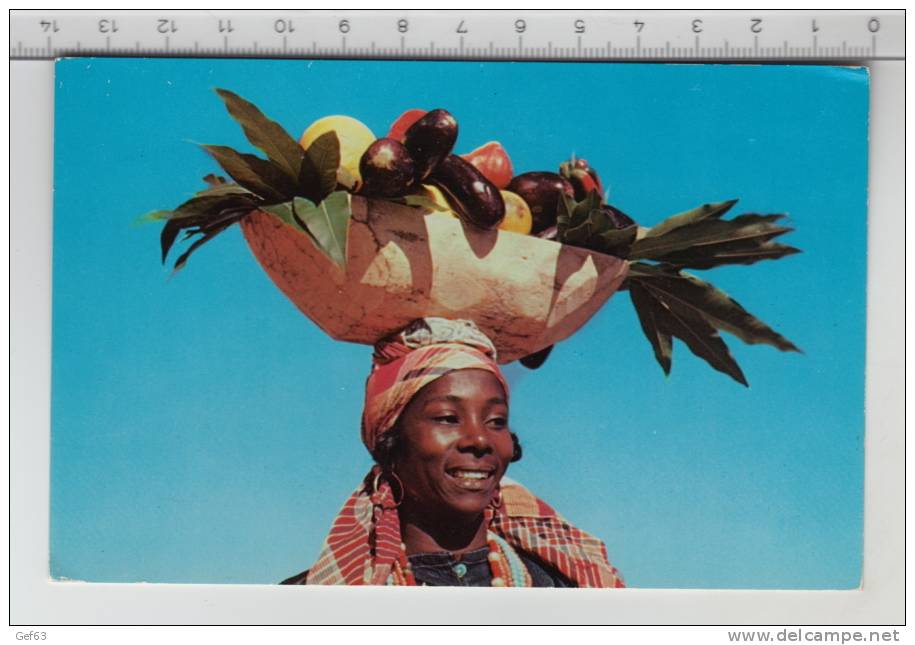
(364, 541)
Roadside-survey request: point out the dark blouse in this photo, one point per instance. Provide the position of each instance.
(472, 570)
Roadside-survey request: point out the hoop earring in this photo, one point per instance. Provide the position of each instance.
(496, 501)
(377, 481)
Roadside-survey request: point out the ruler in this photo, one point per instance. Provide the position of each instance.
(833, 36)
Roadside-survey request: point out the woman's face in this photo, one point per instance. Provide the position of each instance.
(455, 444)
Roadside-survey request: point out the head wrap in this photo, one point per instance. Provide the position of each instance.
(364, 541)
(407, 361)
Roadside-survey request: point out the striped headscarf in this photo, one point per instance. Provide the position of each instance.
(364, 541)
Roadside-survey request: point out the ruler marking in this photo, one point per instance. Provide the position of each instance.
(108, 43)
(874, 44)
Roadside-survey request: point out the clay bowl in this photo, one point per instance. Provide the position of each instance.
(525, 293)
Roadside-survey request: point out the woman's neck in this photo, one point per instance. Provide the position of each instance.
(425, 534)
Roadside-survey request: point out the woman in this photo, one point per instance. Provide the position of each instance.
(436, 510)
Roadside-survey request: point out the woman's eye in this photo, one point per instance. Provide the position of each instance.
(499, 422)
(447, 418)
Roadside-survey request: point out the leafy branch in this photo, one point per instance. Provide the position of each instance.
(669, 302)
(290, 178)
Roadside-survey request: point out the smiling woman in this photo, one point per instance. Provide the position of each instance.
(436, 508)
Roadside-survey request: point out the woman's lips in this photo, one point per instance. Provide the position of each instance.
(473, 479)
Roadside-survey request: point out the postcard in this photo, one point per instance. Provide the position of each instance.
(458, 323)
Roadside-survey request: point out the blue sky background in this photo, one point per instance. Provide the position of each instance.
(204, 431)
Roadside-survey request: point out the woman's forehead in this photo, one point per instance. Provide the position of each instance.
(469, 384)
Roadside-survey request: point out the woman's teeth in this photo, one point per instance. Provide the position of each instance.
(470, 474)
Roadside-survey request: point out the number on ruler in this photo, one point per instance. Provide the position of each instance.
(283, 25)
(166, 26)
(225, 27)
(756, 25)
(49, 25)
(873, 25)
(461, 28)
(579, 26)
(520, 25)
(697, 26)
(106, 26)
(403, 25)
(639, 26)
(814, 27)
(343, 26)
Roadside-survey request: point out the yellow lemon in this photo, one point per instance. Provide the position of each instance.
(354, 137)
(518, 218)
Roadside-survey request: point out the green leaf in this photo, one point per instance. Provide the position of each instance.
(269, 136)
(647, 309)
(669, 318)
(617, 241)
(214, 180)
(208, 210)
(324, 155)
(740, 252)
(257, 175)
(328, 223)
(223, 189)
(152, 216)
(588, 225)
(751, 228)
(685, 292)
(284, 212)
(703, 212)
(564, 210)
(206, 203)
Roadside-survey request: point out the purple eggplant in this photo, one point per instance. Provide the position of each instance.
(474, 198)
(387, 169)
(542, 192)
(430, 140)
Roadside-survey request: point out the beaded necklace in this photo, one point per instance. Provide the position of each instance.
(504, 563)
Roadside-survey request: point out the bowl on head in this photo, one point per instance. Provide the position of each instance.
(403, 263)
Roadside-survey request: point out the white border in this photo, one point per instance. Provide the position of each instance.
(36, 600)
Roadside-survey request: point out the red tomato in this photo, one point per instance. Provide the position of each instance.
(403, 123)
(492, 160)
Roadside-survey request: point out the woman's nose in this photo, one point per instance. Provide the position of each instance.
(474, 437)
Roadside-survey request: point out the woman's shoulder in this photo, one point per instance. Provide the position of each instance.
(297, 579)
(542, 574)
